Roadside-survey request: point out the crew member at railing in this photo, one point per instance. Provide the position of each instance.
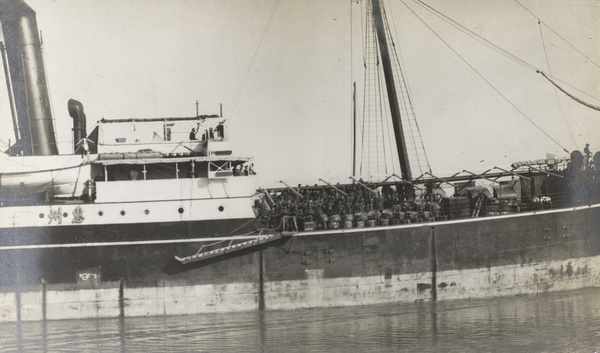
(398, 204)
(220, 129)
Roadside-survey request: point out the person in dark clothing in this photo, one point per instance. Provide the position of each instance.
(588, 154)
(220, 130)
(193, 134)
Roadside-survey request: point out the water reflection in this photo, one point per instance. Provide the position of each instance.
(559, 322)
(122, 333)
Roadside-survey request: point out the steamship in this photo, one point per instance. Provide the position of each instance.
(147, 219)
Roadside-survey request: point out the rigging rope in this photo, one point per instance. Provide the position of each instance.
(472, 35)
(92, 91)
(560, 107)
(418, 147)
(559, 36)
(376, 154)
(52, 114)
(595, 107)
(496, 47)
(353, 95)
(478, 73)
(238, 92)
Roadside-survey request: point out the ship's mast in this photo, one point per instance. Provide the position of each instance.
(354, 129)
(391, 89)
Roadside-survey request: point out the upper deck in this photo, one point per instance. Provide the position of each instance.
(134, 160)
(200, 135)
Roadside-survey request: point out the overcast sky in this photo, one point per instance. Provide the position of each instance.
(284, 72)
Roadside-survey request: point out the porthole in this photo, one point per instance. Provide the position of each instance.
(41, 215)
(180, 210)
(221, 208)
(146, 211)
(100, 213)
(65, 215)
(122, 213)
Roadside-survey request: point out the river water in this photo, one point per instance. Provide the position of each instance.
(556, 322)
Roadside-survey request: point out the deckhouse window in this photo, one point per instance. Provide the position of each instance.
(161, 171)
(219, 169)
(173, 169)
(124, 172)
(192, 169)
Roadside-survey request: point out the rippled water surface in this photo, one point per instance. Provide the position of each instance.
(558, 322)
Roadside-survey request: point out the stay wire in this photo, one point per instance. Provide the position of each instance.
(498, 48)
(403, 76)
(92, 92)
(52, 113)
(560, 106)
(366, 31)
(394, 55)
(483, 78)
(238, 92)
(362, 32)
(559, 36)
(474, 35)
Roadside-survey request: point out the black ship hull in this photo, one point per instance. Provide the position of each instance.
(482, 257)
(138, 252)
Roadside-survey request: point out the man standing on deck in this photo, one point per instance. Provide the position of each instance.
(588, 154)
(220, 130)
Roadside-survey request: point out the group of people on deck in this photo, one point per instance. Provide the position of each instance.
(217, 133)
(322, 204)
(241, 170)
(288, 209)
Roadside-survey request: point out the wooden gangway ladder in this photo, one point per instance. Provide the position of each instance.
(232, 248)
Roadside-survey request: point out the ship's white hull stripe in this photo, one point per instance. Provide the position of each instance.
(122, 243)
(461, 220)
(82, 214)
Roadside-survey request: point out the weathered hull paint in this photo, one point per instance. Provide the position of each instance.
(313, 291)
(483, 257)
